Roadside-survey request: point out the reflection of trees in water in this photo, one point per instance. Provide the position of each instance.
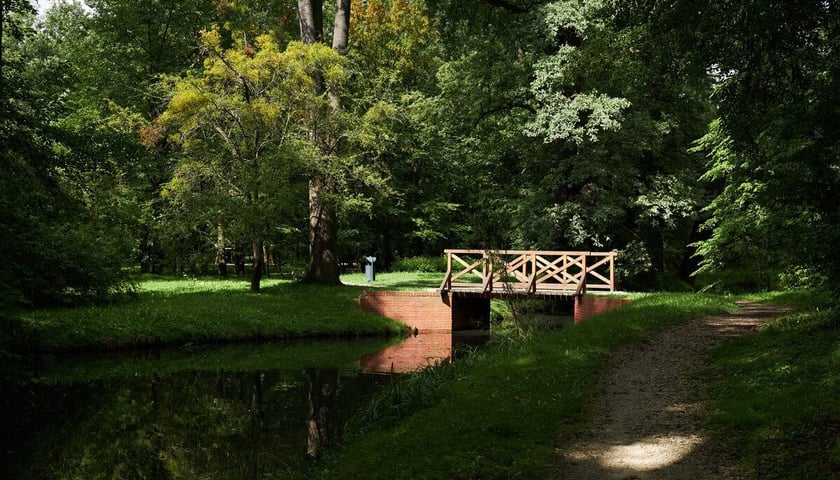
(325, 425)
(213, 425)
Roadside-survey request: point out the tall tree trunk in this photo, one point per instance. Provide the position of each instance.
(266, 261)
(322, 266)
(221, 264)
(323, 233)
(311, 13)
(341, 32)
(2, 22)
(341, 27)
(257, 268)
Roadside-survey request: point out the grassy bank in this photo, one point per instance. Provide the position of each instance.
(500, 412)
(777, 396)
(396, 280)
(249, 357)
(180, 311)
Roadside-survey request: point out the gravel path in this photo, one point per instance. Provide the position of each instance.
(649, 421)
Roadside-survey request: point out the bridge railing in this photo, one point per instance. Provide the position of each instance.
(525, 271)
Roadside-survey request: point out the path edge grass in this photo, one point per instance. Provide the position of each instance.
(503, 411)
(774, 395)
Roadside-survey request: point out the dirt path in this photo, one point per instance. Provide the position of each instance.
(649, 421)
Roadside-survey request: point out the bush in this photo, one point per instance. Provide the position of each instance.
(420, 264)
(672, 282)
(797, 278)
(738, 281)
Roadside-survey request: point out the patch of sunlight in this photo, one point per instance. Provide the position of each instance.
(575, 354)
(524, 361)
(651, 453)
(186, 285)
(684, 408)
(783, 369)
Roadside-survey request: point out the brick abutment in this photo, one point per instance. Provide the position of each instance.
(442, 312)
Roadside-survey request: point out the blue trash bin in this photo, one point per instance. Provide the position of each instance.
(370, 273)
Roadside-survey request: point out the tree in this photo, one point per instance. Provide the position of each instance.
(322, 266)
(774, 149)
(10, 21)
(396, 51)
(243, 124)
(571, 130)
(623, 107)
(59, 246)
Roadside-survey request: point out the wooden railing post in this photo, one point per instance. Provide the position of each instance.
(446, 285)
(585, 273)
(532, 284)
(487, 284)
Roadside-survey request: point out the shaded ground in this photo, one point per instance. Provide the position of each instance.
(649, 421)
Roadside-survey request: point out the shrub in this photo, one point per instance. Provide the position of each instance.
(420, 264)
(737, 281)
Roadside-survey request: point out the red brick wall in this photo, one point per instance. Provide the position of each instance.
(429, 311)
(425, 311)
(413, 354)
(586, 306)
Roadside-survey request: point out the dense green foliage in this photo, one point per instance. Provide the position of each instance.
(683, 136)
(420, 264)
(773, 149)
(58, 245)
(775, 394)
(500, 412)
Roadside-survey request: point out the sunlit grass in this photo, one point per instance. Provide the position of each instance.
(185, 310)
(396, 280)
(183, 285)
(790, 297)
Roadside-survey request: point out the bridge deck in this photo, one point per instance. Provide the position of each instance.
(478, 291)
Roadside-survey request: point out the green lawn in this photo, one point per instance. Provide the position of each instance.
(396, 280)
(184, 310)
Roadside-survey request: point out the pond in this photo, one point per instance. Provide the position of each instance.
(235, 412)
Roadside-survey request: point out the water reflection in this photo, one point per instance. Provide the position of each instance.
(420, 351)
(242, 412)
(325, 425)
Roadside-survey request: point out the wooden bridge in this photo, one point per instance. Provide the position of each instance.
(473, 277)
(505, 273)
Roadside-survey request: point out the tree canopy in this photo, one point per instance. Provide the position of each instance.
(700, 141)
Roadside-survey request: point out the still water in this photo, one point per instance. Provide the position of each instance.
(237, 412)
